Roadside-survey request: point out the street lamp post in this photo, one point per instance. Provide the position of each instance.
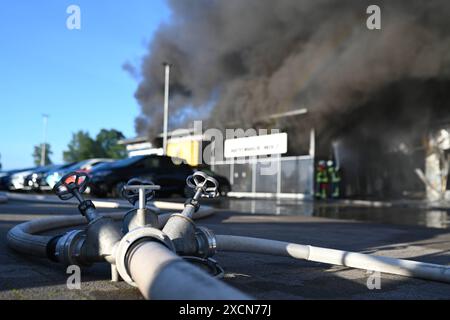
(166, 105)
(44, 144)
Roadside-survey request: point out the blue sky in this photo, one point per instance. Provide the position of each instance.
(75, 76)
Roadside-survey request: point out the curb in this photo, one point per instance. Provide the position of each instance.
(55, 200)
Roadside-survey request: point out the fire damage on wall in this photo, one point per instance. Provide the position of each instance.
(396, 144)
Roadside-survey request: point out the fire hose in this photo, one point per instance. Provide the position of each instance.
(160, 253)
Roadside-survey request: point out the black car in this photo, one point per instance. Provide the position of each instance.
(170, 174)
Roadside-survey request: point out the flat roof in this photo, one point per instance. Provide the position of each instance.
(134, 140)
(178, 133)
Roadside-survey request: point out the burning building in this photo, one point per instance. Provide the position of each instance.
(377, 99)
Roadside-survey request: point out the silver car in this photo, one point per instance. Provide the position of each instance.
(85, 166)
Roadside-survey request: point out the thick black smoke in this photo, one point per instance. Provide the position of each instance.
(234, 60)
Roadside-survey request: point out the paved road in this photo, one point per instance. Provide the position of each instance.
(264, 277)
(406, 212)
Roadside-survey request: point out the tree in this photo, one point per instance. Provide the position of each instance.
(81, 147)
(108, 142)
(105, 145)
(37, 153)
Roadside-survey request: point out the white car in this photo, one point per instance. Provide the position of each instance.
(17, 181)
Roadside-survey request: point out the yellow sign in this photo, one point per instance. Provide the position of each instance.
(186, 149)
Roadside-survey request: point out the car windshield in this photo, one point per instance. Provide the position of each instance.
(100, 164)
(78, 165)
(14, 171)
(68, 165)
(47, 168)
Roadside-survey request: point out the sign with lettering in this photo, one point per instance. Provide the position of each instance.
(256, 146)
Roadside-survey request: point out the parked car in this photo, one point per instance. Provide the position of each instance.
(85, 166)
(36, 181)
(108, 179)
(5, 177)
(17, 179)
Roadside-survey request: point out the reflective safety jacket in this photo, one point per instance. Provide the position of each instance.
(334, 175)
(321, 176)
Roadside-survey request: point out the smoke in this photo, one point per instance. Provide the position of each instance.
(234, 60)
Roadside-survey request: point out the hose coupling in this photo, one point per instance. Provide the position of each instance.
(68, 248)
(206, 242)
(207, 264)
(130, 241)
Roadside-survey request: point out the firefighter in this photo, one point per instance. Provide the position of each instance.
(321, 180)
(335, 180)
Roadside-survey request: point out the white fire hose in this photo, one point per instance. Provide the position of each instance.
(401, 267)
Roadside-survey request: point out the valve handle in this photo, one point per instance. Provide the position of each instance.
(208, 185)
(131, 190)
(72, 184)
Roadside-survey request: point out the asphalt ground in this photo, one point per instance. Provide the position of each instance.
(263, 277)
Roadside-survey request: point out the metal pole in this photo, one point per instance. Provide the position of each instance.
(44, 144)
(254, 166)
(166, 105)
(312, 143)
(278, 159)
